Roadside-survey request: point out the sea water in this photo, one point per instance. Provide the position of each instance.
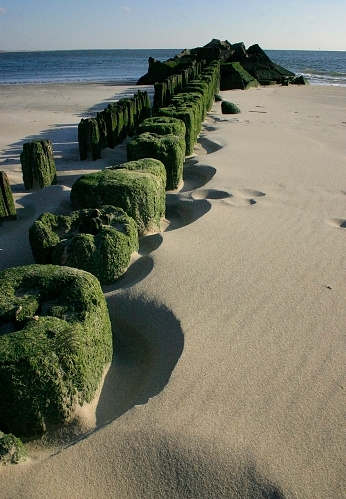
(127, 66)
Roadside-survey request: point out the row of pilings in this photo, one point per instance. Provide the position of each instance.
(112, 125)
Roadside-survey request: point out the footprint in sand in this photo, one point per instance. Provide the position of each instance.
(339, 223)
(243, 197)
(196, 175)
(210, 194)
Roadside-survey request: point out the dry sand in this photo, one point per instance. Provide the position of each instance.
(228, 380)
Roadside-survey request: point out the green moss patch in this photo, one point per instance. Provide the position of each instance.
(136, 187)
(234, 76)
(169, 149)
(163, 125)
(55, 341)
(100, 241)
(12, 449)
(229, 108)
(188, 115)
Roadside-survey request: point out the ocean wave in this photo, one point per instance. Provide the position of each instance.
(319, 72)
(316, 78)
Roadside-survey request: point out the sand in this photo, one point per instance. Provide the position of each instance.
(229, 382)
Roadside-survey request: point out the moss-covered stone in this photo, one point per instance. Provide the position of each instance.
(234, 76)
(199, 87)
(55, 342)
(194, 101)
(12, 449)
(259, 65)
(148, 165)
(229, 108)
(100, 241)
(187, 115)
(140, 192)
(300, 80)
(163, 125)
(7, 207)
(169, 149)
(38, 165)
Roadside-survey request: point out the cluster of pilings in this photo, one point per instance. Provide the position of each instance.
(192, 104)
(112, 125)
(164, 90)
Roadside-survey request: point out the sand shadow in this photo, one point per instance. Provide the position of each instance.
(14, 241)
(207, 146)
(148, 341)
(196, 175)
(189, 465)
(339, 223)
(184, 211)
(140, 267)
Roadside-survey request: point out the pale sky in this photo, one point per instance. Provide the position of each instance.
(116, 24)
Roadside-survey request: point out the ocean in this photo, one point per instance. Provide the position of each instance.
(120, 66)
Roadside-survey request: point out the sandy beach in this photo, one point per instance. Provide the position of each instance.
(228, 378)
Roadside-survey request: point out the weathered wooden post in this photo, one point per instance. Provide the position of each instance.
(103, 130)
(7, 208)
(38, 164)
(89, 139)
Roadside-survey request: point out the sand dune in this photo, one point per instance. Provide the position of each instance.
(228, 379)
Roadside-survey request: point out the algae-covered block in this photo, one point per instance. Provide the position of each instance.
(188, 115)
(7, 207)
(163, 125)
(229, 108)
(300, 80)
(38, 165)
(169, 149)
(100, 241)
(234, 76)
(140, 192)
(193, 100)
(148, 165)
(55, 343)
(258, 64)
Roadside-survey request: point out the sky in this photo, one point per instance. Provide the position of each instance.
(178, 24)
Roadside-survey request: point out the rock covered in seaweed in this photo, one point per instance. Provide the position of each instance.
(138, 187)
(55, 343)
(100, 241)
(229, 108)
(12, 449)
(168, 148)
(253, 61)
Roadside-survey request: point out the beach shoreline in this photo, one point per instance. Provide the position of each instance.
(236, 385)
